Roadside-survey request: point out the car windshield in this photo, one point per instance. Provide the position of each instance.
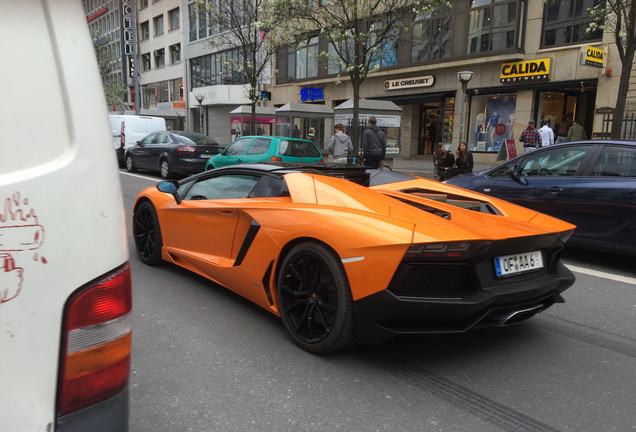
(298, 149)
(196, 139)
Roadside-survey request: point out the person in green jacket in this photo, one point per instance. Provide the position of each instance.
(577, 132)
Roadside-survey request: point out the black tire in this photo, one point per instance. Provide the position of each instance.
(147, 234)
(130, 165)
(164, 169)
(314, 299)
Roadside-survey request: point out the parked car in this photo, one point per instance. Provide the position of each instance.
(128, 129)
(65, 285)
(172, 152)
(346, 255)
(591, 184)
(266, 148)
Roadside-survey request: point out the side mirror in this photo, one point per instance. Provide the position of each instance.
(138, 143)
(511, 172)
(170, 187)
(222, 150)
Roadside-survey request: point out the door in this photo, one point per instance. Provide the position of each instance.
(141, 152)
(603, 202)
(234, 153)
(258, 150)
(156, 148)
(543, 180)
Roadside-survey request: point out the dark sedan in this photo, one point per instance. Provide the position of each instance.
(172, 152)
(591, 184)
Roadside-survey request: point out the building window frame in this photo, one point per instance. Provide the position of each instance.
(571, 29)
(221, 68)
(144, 30)
(160, 58)
(158, 24)
(143, 4)
(435, 32)
(174, 18)
(145, 61)
(175, 53)
(493, 28)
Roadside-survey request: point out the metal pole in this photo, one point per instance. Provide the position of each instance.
(200, 118)
(136, 60)
(461, 120)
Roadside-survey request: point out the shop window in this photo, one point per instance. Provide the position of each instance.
(492, 25)
(492, 121)
(158, 21)
(567, 21)
(144, 30)
(174, 18)
(432, 35)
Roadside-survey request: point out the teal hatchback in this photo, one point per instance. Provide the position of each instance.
(266, 148)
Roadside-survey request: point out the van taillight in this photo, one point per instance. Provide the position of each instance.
(96, 344)
(123, 135)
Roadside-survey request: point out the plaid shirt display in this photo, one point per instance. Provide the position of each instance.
(530, 137)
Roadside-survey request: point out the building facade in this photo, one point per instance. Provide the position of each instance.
(528, 60)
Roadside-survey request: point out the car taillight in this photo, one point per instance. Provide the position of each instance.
(276, 159)
(322, 160)
(123, 135)
(186, 149)
(96, 344)
(459, 251)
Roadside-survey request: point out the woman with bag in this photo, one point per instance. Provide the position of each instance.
(444, 161)
(464, 162)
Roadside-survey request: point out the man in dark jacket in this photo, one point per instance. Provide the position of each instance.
(373, 145)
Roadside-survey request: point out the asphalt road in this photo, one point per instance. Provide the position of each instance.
(205, 359)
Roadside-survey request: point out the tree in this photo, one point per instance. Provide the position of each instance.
(112, 82)
(362, 33)
(243, 26)
(618, 17)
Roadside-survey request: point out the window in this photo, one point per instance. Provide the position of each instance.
(386, 55)
(558, 162)
(144, 30)
(566, 21)
(223, 187)
(173, 16)
(203, 22)
(238, 147)
(192, 14)
(218, 68)
(307, 59)
(163, 91)
(160, 58)
(143, 4)
(149, 139)
(616, 162)
(175, 53)
(145, 60)
(492, 26)
(298, 149)
(432, 35)
(259, 146)
(158, 21)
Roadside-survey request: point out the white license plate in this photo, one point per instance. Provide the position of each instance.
(205, 156)
(518, 263)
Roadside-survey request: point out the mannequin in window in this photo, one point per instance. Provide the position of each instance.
(493, 121)
(511, 125)
(481, 124)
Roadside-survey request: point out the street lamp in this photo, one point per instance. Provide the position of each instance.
(463, 77)
(200, 99)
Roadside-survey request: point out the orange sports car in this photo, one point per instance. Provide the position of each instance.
(346, 255)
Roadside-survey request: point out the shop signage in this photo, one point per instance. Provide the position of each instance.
(594, 56)
(259, 120)
(383, 120)
(511, 147)
(311, 94)
(500, 129)
(402, 83)
(97, 14)
(523, 71)
(605, 110)
(131, 66)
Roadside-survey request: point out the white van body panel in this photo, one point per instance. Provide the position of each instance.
(62, 218)
(136, 128)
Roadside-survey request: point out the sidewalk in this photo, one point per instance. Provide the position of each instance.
(422, 167)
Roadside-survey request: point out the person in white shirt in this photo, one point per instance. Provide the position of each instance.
(547, 134)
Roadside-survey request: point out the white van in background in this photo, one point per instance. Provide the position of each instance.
(128, 129)
(65, 286)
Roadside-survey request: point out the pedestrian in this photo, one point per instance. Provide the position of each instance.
(547, 135)
(260, 130)
(373, 144)
(530, 137)
(311, 136)
(563, 128)
(463, 162)
(296, 132)
(340, 145)
(577, 132)
(444, 160)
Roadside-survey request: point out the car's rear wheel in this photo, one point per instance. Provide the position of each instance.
(165, 170)
(315, 299)
(130, 165)
(147, 234)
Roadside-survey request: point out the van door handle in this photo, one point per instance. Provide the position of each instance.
(239, 160)
(554, 189)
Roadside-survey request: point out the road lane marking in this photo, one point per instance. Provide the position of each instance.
(601, 274)
(140, 176)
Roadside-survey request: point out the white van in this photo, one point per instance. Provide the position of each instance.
(128, 129)
(65, 291)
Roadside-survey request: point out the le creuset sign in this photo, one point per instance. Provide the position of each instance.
(402, 83)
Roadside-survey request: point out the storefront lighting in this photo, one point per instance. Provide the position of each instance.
(463, 77)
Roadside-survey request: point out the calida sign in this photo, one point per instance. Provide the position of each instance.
(594, 56)
(523, 71)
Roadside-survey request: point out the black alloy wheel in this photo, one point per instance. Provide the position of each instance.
(164, 169)
(130, 165)
(147, 234)
(315, 299)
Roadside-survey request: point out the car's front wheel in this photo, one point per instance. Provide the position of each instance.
(147, 233)
(130, 165)
(315, 299)
(164, 169)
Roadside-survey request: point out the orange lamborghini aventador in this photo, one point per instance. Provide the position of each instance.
(347, 255)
